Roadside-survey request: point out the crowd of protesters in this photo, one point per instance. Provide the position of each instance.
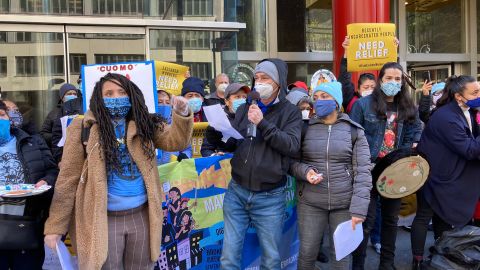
(329, 138)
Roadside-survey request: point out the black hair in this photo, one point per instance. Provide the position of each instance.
(3, 106)
(189, 214)
(365, 77)
(146, 124)
(176, 190)
(405, 105)
(454, 85)
(307, 100)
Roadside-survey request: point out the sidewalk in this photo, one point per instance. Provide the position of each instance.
(403, 253)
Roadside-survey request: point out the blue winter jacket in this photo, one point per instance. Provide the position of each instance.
(453, 152)
(363, 113)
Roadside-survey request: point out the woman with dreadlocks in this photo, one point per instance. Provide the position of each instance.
(110, 201)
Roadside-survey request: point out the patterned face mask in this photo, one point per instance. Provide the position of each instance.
(118, 107)
(16, 117)
(391, 88)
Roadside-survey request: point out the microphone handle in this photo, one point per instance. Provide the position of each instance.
(252, 128)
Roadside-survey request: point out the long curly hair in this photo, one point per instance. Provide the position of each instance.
(146, 123)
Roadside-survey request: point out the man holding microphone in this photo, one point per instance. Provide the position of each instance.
(271, 127)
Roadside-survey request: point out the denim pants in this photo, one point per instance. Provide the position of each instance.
(266, 211)
(312, 223)
(390, 208)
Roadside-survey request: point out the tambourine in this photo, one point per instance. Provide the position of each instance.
(400, 173)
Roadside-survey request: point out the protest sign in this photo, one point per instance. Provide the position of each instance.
(197, 138)
(169, 77)
(371, 46)
(193, 226)
(141, 73)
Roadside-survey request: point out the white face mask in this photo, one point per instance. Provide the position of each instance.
(306, 114)
(221, 87)
(366, 93)
(265, 90)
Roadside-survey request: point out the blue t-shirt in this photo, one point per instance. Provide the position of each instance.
(11, 168)
(11, 173)
(126, 187)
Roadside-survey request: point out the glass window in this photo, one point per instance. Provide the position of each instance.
(205, 10)
(304, 71)
(32, 71)
(254, 36)
(206, 53)
(435, 26)
(304, 26)
(76, 62)
(478, 26)
(117, 58)
(3, 66)
(52, 6)
(4, 6)
(118, 7)
(103, 48)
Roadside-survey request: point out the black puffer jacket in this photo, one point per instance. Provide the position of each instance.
(262, 163)
(424, 108)
(71, 107)
(38, 165)
(47, 126)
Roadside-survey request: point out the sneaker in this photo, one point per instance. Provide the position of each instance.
(377, 247)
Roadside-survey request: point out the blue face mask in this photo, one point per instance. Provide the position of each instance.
(324, 108)
(5, 136)
(237, 103)
(165, 111)
(474, 103)
(16, 117)
(195, 104)
(69, 97)
(391, 88)
(118, 107)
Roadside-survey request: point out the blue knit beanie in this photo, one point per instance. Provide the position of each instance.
(334, 89)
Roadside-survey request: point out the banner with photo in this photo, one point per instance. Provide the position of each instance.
(141, 73)
(371, 46)
(193, 230)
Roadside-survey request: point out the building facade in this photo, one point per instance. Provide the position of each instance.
(43, 43)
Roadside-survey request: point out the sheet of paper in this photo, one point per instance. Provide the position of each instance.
(66, 260)
(66, 121)
(346, 240)
(219, 121)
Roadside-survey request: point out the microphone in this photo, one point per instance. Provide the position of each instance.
(252, 128)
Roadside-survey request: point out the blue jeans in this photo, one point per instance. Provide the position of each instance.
(266, 210)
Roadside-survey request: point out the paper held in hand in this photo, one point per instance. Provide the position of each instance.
(219, 121)
(346, 240)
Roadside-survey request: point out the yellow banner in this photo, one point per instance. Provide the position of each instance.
(170, 77)
(197, 138)
(371, 46)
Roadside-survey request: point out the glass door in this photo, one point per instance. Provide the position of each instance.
(32, 68)
(437, 73)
